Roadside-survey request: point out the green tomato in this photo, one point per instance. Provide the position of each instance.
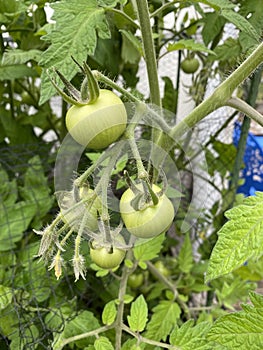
(190, 65)
(74, 216)
(98, 124)
(135, 280)
(161, 268)
(150, 221)
(104, 258)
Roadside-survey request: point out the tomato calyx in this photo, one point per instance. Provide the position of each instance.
(145, 196)
(89, 90)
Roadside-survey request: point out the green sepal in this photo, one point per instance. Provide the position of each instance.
(65, 97)
(92, 84)
(154, 197)
(71, 89)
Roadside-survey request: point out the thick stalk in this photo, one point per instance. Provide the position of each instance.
(149, 52)
(122, 291)
(221, 94)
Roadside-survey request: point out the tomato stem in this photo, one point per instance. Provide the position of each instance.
(244, 107)
(92, 85)
(221, 95)
(107, 81)
(149, 52)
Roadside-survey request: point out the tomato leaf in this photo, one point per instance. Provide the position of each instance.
(185, 257)
(36, 189)
(164, 318)
(241, 329)
(84, 322)
(188, 44)
(240, 22)
(8, 189)
(103, 343)
(191, 337)
(17, 56)
(148, 249)
(139, 315)
(16, 71)
(109, 313)
(213, 26)
(6, 296)
(240, 239)
(78, 23)
(14, 220)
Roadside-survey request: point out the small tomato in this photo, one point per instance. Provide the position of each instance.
(150, 221)
(135, 280)
(162, 268)
(190, 65)
(107, 258)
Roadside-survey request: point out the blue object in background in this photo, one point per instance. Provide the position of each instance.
(253, 159)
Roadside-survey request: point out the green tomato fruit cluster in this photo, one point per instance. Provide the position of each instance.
(149, 222)
(98, 124)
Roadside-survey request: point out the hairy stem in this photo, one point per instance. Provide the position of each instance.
(149, 52)
(122, 291)
(244, 107)
(93, 333)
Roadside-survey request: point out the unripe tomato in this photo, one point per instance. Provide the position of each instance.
(98, 124)
(162, 268)
(135, 280)
(190, 65)
(106, 259)
(150, 221)
(74, 216)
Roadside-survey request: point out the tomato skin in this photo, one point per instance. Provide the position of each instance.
(190, 65)
(98, 124)
(105, 259)
(135, 280)
(148, 222)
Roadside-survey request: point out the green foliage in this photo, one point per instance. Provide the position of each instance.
(139, 314)
(164, 318)
(109, 313)
(191, 337)
(185, 256)
(148, 249)
(240, 330)
(172, 306)
(77, 25)
(239, 239)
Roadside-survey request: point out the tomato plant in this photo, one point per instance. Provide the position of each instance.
(106, 257)
(119, 34)
(98, 124)
(150, 221)
(190, 65)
